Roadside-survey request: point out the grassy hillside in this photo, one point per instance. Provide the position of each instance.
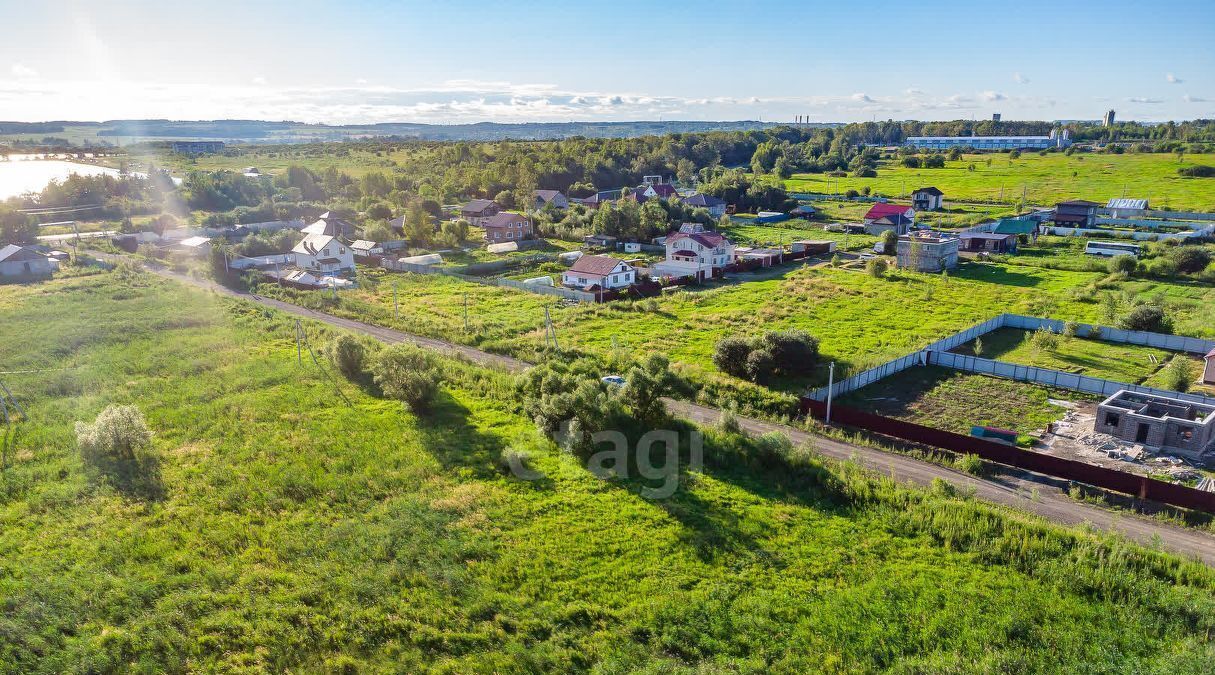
(291, 531)
(1046, 179)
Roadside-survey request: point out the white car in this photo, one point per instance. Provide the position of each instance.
(614, 380)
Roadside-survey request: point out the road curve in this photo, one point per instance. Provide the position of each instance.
(1042, 499)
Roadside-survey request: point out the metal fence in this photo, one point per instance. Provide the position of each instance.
(1124, 234)
(1059, 467)
(938, 352)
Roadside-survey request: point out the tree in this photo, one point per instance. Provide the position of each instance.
(760, 365)
(645, 386)
(876, 268)
(379, 232)
(1149, 318)
(348, 355)
(118, 444)
(1190, 259)
(794, 352)
(17, 228)
(730, 356)
(890, 241)
(408, 374)
(418, 230)
(1179, 374)
(379, 211)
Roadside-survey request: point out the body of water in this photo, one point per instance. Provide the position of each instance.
(29, 173)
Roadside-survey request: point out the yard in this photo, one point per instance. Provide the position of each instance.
(292, 531)
(1083, 356)
(1045, 180)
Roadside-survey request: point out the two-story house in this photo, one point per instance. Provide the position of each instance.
(478, 211)
(507, 226)
(715, 206)
(605, 272)
(323, 255)
(693, 251)
(554, 198)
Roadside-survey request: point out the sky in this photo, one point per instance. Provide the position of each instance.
(461, 61)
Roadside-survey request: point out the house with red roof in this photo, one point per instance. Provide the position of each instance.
(693, 251)
(598, 272)
(878, 211)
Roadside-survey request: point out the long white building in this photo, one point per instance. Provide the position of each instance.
(1054, 140)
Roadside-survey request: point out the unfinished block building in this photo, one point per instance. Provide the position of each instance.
(1172, 425)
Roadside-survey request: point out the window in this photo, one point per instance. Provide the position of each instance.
(1111, 419)
(1185, 434)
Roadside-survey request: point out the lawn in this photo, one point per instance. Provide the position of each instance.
(293, 532)
(745, 233)
(955, 401)
(1045, 180)
(1094, 358)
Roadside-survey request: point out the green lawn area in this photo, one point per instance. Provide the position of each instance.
(745, 233)
(1095, 358)
(955, 401)
(293, 532)
(1045, 180)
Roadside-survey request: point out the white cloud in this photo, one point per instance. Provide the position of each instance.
(1194, 99)
(1020, 79)
(994, 96)
(862, 98)
(23, 72)
(361, 80)
(914, 92)
(1142, 99)
(259, 81)
(1171, 78)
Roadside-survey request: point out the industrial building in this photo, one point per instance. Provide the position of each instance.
(197, 147)
(1056, 139)
(1171, 424)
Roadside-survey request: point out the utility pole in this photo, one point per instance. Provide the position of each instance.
(830, 390)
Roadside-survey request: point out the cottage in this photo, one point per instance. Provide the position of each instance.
(23, 262)
(596, 272)
(989, 242)
(553, 198)
(694, 252)
(1171, 424)
(479, 211)
(1208, 370)
(364, 248)
(1026, 225)
(599, 240)
(1076, 213)
(927, 199)
(879, 211)
(898, 222)
(331, 226)
(507, 226)
(804, 211)
(715, 206)
(663, 190)
(323, 255)
(927, 252)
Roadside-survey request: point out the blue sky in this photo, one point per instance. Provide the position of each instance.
(466, 61)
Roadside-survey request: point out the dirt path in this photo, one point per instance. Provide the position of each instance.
(1043, 499)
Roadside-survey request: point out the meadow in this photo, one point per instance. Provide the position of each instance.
(1083, 356)
(1045, 180)
(293, 531)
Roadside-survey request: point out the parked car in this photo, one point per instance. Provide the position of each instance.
(614, 380)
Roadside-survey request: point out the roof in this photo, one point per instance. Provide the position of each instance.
(999, 236)
(803, 208)
(930, 190)
(478, 206)
(701, 199)
(330, 225)
(1210, 354)
(504, 218)
(1015, 226)
(708, 239)
(596, 265)
(546, 195)
(363, 244)
(1122, 203)
(1078, 202)
(195, 242)
(15, 253)
(879, 210)
(312, 243)
(664, 190)
(895, 219)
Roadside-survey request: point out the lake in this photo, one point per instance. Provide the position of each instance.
(23, 173)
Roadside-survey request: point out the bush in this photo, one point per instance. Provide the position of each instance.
(408, 374)
(730, 356)
(876, 268)
(794, 352)
(119, 444)
(1190, 259)
(760, 365)
(1178, 374)
(1146, 318)
(1123, 264)
(1197, 171)
(968, 463)
(1044, 340)
(348, 355)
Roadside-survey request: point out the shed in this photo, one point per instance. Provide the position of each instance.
(427, 259)
(1208, 371)
(23, 262)
(770, 217)
(813, 246)
(990, 242)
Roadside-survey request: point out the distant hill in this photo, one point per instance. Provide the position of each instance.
(123, 132)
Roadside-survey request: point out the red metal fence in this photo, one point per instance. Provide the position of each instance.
(1091, 474)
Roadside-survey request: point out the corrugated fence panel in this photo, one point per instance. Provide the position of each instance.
(1110, 479)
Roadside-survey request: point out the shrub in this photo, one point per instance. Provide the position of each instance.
(1044, 340)
(1190, 259)
(760, 365)
(408, 374)
(790, 352)
(794, 352)
(969, 463)
(1123, 264)
(348, 355)
(876, 268)
(730, 356)
(1146, 318)
(1197, 171)
(1070, 329)
(119, 444)
(1178, 374)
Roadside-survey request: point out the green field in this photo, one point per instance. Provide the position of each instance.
(955, 401)
(290, 531)
(1045, 180)
(1094, 358)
